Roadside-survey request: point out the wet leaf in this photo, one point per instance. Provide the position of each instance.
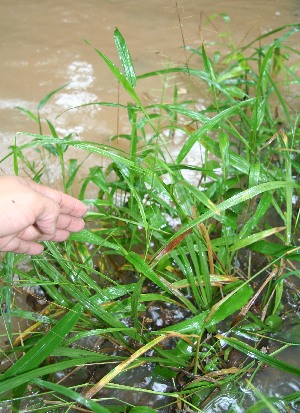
(88, 236)
(274, 322)
(125, 57)
(120, 77)
(30, 375)
(228, 305)
(103, 150)
(183, 110)
(135, 300)
(258, 355)
(224, 150)
(201, 74)
(251, 239)
(236, 161)
(81, 295)
(27, 112)
(234, 200)
(209, 125)
(194, 325)
(276, 250)
(73, 395)
(254, 174)
(169, 247)
(259, 213)
(45, 99)
(117, 370)
(35, 356)
(144, 268)
(201, 197)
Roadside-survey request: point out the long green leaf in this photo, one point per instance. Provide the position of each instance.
(45, 99)
(236, 161)
(251, 239)
(20, 379)
(260, 405)
(190, 71)
(194, 325)
(295, 28)
(45, 345)
(27, 112)
(209, 125)
(234, 200)
(81, 296)
(276, 250)
(258, 355)
(125, 57)
(183, 110)
(106, 151)
(73, 395)
(144, 268)
(120, 77)
(259, 213)
(229, 305)
(87, 236)
(200, 196)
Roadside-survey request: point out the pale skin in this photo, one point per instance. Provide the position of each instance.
(30, 212)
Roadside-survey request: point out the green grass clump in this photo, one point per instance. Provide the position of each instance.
(158, 278)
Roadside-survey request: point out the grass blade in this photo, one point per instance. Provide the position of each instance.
(260, 211)
(258, 355)
(73, 395)
(20, 379)
(251, 239)
(143, 267)
(46, 345)
(45, 99)
(234, 200)
(119, 76)
(117, 370)
(229, 304)
(209, 125)
(125, 57)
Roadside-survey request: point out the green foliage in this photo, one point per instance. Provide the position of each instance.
(157, 245)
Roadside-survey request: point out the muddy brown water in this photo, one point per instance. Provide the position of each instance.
(42, 48)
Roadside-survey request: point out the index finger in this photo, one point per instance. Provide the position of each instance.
(68, 204)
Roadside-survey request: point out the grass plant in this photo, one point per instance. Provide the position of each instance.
(177, 277)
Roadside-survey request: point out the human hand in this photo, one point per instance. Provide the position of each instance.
(30, 212)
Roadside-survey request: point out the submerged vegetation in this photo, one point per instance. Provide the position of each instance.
(187, 284)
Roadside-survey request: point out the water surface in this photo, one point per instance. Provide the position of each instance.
(42, 48)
